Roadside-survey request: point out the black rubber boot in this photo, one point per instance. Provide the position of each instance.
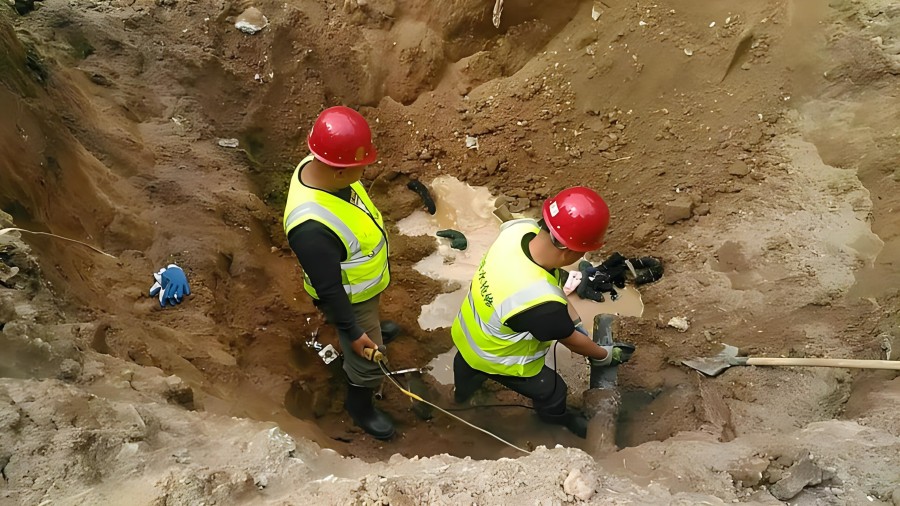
(365, 414)
(573, 420)
(389, 331)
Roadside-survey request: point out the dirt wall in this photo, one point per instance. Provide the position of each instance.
(709, 129)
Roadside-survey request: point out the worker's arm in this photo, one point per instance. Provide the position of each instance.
(549, 321)
(320, 253)
(583, 345)
(576, 318)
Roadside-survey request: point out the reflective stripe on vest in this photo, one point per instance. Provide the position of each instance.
(365, 273)
(506, 283)
(505, 360)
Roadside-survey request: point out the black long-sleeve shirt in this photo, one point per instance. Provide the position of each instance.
(549, 321)
(320, 253)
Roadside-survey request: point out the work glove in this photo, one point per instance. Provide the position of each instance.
(614, 268)
(617, 354)
(171, 285)
(594, 282)
(646, 269)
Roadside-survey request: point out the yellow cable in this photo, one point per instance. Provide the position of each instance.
(442, 410)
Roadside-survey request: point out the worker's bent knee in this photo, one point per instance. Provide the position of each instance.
(548, 385)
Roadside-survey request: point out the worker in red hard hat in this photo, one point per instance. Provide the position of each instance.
(338, 236)
(516, 307)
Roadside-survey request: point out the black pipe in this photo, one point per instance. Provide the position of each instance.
(603, 376)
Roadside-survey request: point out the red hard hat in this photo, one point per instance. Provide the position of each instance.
(577, 217)
(341, 137)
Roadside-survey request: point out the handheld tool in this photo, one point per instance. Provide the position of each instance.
(373, 354)
(712, 366)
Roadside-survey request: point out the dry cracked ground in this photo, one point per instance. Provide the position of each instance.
(753, 146)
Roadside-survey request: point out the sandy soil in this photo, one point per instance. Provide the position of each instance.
(750, 145)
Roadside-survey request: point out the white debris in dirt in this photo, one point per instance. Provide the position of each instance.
(229, 143)
(596, 11)
(580, 484)
(689, 52)
(498, 11)
(251, 21)
(679, 323)
(471, 142)
(7, 272)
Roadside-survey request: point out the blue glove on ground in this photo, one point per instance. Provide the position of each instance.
(171, 285)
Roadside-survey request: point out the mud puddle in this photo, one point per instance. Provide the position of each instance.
(468, 210)
(442, 367)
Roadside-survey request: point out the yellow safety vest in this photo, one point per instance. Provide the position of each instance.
(365, 273)
(506, 283)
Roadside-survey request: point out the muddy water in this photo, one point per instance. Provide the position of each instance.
(628, 303)
(442, 367)
(470, 210)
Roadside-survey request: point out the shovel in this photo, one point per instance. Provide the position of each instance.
(712, 366)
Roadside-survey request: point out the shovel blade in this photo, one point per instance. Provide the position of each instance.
(709, 366)
(713, 366)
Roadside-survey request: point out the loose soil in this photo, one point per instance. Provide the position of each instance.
(752, 146)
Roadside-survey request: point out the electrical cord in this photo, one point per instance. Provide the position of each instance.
(470, 408)
(7, 230)
(380, 361)
(378, 358)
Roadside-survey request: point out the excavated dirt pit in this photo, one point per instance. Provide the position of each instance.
(749, 145)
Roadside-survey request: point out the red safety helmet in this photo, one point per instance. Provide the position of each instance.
(341, 137)
(577, 218)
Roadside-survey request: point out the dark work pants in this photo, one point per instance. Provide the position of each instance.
(360, 371)
(547, 390)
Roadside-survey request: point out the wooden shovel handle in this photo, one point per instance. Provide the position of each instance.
(827, 362)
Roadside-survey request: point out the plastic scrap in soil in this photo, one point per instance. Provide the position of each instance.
(251, 21)
(422, 190)
(22, 7)
(679, 323)
(498, 11)
(7, 273)
(229, 143)
(457, 239)
(471, 142)
(596, 11)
